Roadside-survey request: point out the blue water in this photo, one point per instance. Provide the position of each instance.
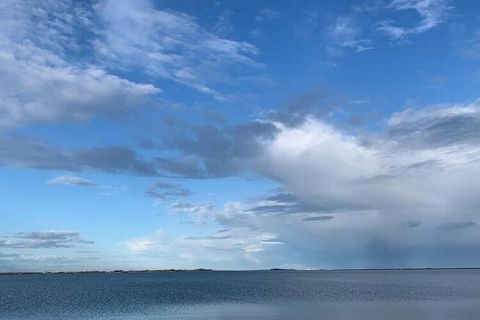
(428, 294)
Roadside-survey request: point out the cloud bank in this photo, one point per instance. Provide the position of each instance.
(398, 198)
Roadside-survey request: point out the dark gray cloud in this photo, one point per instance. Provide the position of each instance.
(43, 239)
(380, 254)
(437, 128)
(164, 190)
(213, 115)
(427, 164)
(21, 151)
(412, 224)
(316, 102)
(414, 169)
(209, 151)
(283, 197)
(288, 203)
(116, 159)
(286, 208)
(318, 218)
(204, 151)
(284, 203)
(452, 226)
(184, 166)
(7, 255)
(201, 151)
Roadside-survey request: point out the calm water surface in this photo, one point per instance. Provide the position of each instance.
(429, 294)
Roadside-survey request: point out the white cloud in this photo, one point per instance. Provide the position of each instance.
(431, 12)
(471, 49)
(40, 84)
(222, 248)
(200, 211)
(139, 244)
(37, 92)
(323, 165)
(401, 168)
(11, 262)
(267, 14)
(316, 158)
(59, 59)
(73, 181)
(16, 258)
(167, 44)
(52, 25)
(224, 26)
(403, 198)
(182, 206)
(346, 34)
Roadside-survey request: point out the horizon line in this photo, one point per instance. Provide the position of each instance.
(235, 270)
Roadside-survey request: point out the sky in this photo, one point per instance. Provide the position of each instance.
(239, 134)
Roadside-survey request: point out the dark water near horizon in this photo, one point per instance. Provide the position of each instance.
(399, 294)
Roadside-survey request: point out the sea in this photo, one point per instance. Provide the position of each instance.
(329, 295)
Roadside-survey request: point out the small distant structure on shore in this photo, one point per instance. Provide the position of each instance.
(282, 269)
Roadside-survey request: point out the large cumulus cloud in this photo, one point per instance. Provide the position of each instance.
(401, 197)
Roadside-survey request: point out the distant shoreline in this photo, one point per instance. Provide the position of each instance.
(212, 270)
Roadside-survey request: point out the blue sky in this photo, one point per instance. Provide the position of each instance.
(239, 134)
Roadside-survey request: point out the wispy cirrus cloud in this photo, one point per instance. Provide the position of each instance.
(346, 34)
(268, 14)
(166, 44)
(43, 239)
(471, 48)
(431, 12)
(72, 181)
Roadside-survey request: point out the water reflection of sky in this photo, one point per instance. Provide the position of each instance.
(255, 295)
(458, 310)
